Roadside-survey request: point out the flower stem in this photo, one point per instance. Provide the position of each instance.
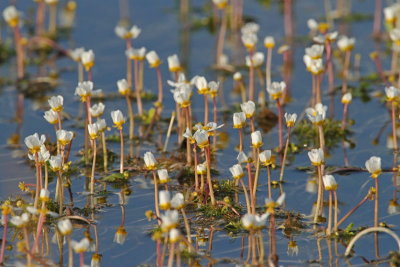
(131, 117)
(94, 147)
(105, 154)
(284, 156)
(121, 166)
(3, 241)
(156, 194)
(280, 131)
(209, 181)
(246, 196)
(395, 147)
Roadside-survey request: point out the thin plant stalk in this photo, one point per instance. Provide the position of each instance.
(394, 63)
(40, 17)
(318, 97)
(121, 165)
(160, 90)
(187, 227)
(377, 18)
(268, 67)
(280, 127)
(137, 88)
(221, 37)
(81, 260)
(210, 185)
(246, 195)
(205, 109)
(20, 53)
(188, 145)
(131, 117)
(215, 120)
(37, 190)
(336, 211)
(345, 112)
(171, 123)
(27, 246)
(319, 196)
(196, 175)
(70, 252)
(156, 194)
(250, 177)
(329, 230)
(105, 154)
(171, 254)
(240, 139)
(53, 18)
(257, 174)
(94, 147)
(251, 77)
(60, 191)
(284, 155)
(3, 241)
(376, 207)
(269, 182)
(395, 147)
(348, 214)
(346, 71)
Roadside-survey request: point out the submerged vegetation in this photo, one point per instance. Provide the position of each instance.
(204, 172)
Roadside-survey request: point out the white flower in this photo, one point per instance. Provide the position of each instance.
(123, 87)
(292, 249)
(12, 16)
(266, 157)
(93, 130)
(256, 139)
(43, 155)
(346, 98)
(173, 63)
(84, 90)
(220, 3)
(150, 161)
(290, 119)
(56, 103)
(330, 183)
(101, 125)
(250, 27)
(118, 118)
(237, 76)
(44, 194)
(271, 205)
(51, 116)
(55, 163)
(269, 42)
(174, 234)
(242, 158)
(20, 221)
(315, 51)
(236, 171)
(163, 176)
(65, 226)
(34, 143)
(249, 40)
(392, 93)
(76, 54)
(182, 95)
(391, 12)
(82, 246)
(393, 207)
(123, 33)
(201, 168)
(213, 88)
(169, 220)
(257, 60)
(345, 43)
(97, 110)
(95, 262)
(316, 156)
(201, 137)
(64, 137)
(87, 59)
(248, 108)
(136, 54)
(312, 24)
(153, 59)
(201, 84)
(254, 221)
(373, 165)
(239, 120)
(178, 201)
(276, 89)
(165, 199)
(317, 114)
